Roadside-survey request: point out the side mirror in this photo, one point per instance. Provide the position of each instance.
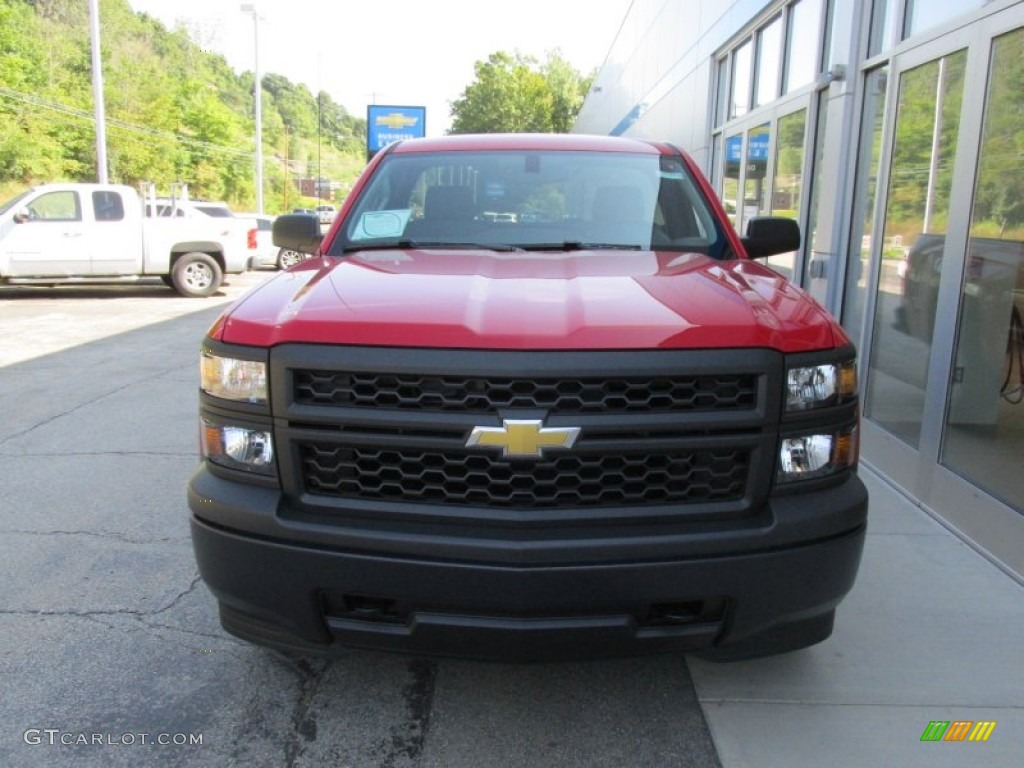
(769, 235)
(22, 215)
(297, 232)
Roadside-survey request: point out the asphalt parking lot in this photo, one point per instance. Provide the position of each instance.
(111, 653)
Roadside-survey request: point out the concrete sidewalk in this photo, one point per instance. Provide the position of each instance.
(931, 631)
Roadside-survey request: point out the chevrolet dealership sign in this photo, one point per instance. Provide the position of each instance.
(387, 124)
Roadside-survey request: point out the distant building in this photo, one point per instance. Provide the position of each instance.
(321, 188)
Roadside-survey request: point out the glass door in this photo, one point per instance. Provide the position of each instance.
(790, 177)
(916, 222)
(766, 169)
(863, 231)
(983, 439)
(940, 285)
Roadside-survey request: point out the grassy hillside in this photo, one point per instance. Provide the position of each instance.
(174, 113)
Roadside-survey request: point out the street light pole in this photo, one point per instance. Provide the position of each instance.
(319, 129)
(97, 92)
(258, 98)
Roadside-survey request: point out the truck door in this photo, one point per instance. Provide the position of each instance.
(115, 242)
(49, 240)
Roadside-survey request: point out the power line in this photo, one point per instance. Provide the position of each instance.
(124, 125)
(128, 127)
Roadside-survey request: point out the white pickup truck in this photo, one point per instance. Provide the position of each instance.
(64, 233)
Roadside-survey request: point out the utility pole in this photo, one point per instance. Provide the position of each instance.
(258, 98)
(97, 92)
(319, 128)
(287, 162)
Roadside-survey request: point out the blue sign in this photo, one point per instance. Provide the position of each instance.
(734, 149)
(627, 122)
(386, 125)
(757, 148)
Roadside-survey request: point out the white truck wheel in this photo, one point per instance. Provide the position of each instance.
(287, 258)
(196, 275)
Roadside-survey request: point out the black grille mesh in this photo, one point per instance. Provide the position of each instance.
(483, 479)
(484, 394)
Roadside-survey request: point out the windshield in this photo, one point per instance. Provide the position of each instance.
(14, 201)
(533, 200)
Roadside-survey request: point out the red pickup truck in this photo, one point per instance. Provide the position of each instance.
(532, 398)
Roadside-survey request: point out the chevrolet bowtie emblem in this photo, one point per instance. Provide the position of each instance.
(519, 437)
(396, 120)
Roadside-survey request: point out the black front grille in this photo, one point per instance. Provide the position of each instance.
(477, 394)
(488, 480)
(684, 431)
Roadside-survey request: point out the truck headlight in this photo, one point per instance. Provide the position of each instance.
(808, 457)
(234, 447)
(819, 386)
(232, 379)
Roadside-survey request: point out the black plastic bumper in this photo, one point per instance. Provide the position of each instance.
(733, 604)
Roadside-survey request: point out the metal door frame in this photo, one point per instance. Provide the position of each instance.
(991, 526)
(771, 114)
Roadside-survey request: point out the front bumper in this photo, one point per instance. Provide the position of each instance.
(724, 595)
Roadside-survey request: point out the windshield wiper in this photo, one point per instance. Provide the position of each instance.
(564, 245)
(424, 244)
(576, 245)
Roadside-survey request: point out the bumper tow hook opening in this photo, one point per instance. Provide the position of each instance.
(364, 608)
(679, 614)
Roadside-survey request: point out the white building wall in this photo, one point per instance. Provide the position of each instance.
(659, 70)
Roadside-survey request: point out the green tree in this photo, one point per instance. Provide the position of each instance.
(568, 90)
(999, 193)
(23, 145)
(295, 104)
(515, 94)
(175, 111)
(917, 120)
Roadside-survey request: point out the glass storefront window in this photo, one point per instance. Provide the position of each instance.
(731, 177)
(916, 221)
(769, 56)
(717, 159)
(863, 233)
(883, 19)
(787, 181)
(755, 185)
(984, 432)
(818, 169)
(722, 92)
(802, 52)
(742, 61)
(925, 14)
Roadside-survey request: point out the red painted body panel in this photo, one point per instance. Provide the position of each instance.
(486, 300)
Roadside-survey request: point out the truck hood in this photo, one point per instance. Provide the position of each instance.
(483, 299)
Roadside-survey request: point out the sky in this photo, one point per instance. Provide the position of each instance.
(393, 52)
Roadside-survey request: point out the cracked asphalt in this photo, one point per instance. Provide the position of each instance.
(110, 644)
